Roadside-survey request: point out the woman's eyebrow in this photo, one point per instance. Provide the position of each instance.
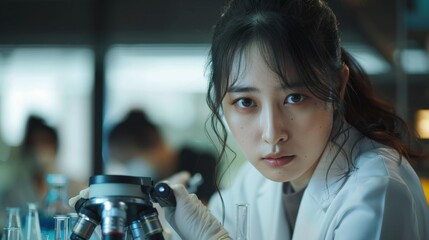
(293, 85)
(238, 89)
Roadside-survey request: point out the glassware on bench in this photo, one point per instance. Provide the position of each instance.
(241, 221)
(61, 227)
(11, 233)
(13, 220)
(32, 228)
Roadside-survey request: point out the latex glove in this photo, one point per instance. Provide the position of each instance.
(82, 194)
(191, 219)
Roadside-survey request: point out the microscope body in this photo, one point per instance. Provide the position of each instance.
(118, 203)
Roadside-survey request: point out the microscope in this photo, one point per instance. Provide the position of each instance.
(120, 203)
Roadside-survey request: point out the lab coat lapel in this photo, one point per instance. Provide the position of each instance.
(313, 204)
(322, 188)
(271, 212)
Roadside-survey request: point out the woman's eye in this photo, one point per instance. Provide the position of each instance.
(244, 103)
(294, 98)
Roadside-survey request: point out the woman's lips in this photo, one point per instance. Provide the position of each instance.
(278, 162)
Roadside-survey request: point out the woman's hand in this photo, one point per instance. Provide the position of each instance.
(82, 194)
(191, 219)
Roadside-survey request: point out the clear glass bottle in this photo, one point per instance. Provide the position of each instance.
(11, 233)
(55, 203)
(13, 219)
(32, 228)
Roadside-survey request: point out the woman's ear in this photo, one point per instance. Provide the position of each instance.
(345, 73)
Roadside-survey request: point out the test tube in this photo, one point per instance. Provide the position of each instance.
(241, 221)
(61, 227)
(73, 218)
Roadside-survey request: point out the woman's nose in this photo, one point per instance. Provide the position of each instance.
(273, 127)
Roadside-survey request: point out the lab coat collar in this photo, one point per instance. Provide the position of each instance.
(329, 174)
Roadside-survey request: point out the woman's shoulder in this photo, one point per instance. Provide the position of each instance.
(382, 172)
(384, 186)
(382, 162)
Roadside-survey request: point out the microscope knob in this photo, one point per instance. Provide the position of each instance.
(165, 195)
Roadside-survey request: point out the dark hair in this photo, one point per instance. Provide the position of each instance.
(299, 40)
(135, 130)
(35, 125)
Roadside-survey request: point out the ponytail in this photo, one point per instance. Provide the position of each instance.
(373, 117)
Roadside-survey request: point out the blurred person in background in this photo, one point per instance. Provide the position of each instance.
(33, 160)
(37, 154)
(137, 148)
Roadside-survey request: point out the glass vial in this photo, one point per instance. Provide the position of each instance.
(32, 229)
(54, 203)
(56, 200)
(241, 221)
(61, 227)
(13, 219)
(11, 233)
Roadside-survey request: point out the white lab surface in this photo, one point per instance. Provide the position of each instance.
(381, 199)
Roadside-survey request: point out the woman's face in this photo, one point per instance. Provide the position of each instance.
(282, 131)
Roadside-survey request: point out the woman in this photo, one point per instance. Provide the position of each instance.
(327, 158)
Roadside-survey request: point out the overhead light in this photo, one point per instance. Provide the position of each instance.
(422, 123)
(37, 80)
(176, 68)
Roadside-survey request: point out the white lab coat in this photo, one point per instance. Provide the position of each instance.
(380, 200)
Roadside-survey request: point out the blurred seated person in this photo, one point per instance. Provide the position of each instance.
(137, 148)
(35, 157)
